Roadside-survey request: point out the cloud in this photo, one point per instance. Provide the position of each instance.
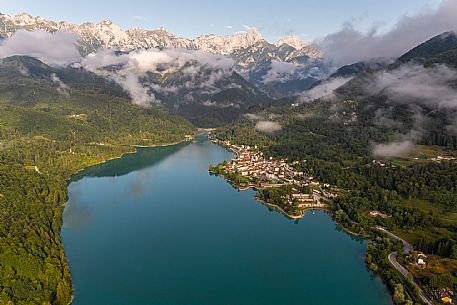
(102, 63)
(214, 104)
(24, 71)
(62, 87)
(383, 119)
(280, 72)
(324, 90)
(96, 62)
(405, 143)
(267, 126)
(229, 27)
(131, 69)
(394, 149)
(55, 49)
(252, 116)
(155, 60)
(418, 85)
(452, 129)
(419, 88)
(139, 93)
(350, 45)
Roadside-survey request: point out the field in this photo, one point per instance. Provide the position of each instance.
(435, 265)
(447, 217)
(423, 153)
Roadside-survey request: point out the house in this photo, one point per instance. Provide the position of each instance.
(377, 214)
(330, 195)
(444, 294)
(379, 162)
(421, 259)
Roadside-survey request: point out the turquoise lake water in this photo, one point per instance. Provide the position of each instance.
(155, 228)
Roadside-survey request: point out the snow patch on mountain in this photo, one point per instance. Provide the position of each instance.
(106, 34)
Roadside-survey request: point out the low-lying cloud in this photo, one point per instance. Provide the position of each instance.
(267, 126)
(418, 85)
(55, 49)
(394, 149)
(405, 144)
(129, 69)
(252, 116)
(423, 90)
(325, 90)
(280, 72)
(62, 88)
(350, 45)
(383, 118)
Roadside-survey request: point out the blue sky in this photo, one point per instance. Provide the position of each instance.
(308, 19)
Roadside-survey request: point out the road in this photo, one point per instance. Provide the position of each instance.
(393, 260)
(407, 248)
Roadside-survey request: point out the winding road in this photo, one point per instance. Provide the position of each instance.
(407, 248)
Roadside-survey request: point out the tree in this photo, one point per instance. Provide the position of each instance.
(399, 294)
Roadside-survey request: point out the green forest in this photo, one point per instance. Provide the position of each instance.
(419, 195)
(45, 137)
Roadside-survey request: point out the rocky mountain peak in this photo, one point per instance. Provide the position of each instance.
(253, 34)
(247, 47)
(163, 30)
(293, 41)
(228, 44)
(24, 19)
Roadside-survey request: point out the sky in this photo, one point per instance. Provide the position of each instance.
(308, 19)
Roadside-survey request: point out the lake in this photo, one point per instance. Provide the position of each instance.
(155, 228)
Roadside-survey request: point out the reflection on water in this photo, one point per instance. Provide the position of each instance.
(77, 214)
(156, 228)
(143, 158)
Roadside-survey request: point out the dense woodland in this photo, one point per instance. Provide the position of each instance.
(55, 122)
(45, 137)
(333, 140)
(340, 154)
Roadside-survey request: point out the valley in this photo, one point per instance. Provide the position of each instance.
(335, 137)
(42, 145)
(140, 236)
(93, 113)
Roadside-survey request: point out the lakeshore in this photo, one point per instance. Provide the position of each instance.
(132, 238)
(132, 152)
(250, 169)
(278, 183)
(302, 212)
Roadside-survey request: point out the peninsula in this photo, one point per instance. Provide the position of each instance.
(278, 183)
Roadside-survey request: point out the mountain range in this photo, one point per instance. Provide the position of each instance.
(106, 34)
(280, 69)
(210, 94)
(382, 109)
(56, 120)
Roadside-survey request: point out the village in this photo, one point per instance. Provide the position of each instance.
(251, 169)
(264, 173)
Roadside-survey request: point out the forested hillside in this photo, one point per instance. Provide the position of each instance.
(379, 138)
(54, 122)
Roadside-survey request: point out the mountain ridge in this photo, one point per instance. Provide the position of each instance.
(107, 34)
(255, 58)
